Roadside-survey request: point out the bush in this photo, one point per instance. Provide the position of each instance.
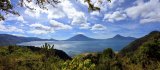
(78, 63)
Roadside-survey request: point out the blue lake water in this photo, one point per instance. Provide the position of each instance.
(76, 47)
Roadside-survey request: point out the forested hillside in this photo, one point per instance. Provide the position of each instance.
(133, 46)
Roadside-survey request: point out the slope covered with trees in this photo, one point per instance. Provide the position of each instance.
(31, 58)
(153, 36)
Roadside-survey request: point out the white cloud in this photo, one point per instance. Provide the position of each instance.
(39, 32)
(95, 13)
(59, 26)
(55, 13)
(72, 13)
(11, 17)
(1, 22)
(52, 12)
(85, 26)
(81, 19)
(77, 17)
(32, 13)
(148, 20)
(4, 28)
(40, 27)
(61, 10)
(35, 12)
(115, 3)
(115, 16)
(147, 11)
(83, 3)
(98, 27)
(70, 10)
(105, 5)
(13, 29)
(20, 18)
(66, 8)
(1, 25)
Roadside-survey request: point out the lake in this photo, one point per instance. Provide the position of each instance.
(77, 47)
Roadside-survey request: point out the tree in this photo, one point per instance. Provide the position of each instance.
(109, 53)
(92, 7)
(48, 50)
(6, 6)
(11, 49)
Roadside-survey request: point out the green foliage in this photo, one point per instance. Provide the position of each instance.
(47, 46)
(149, 50)
(108, 53)
(78, 64)
(109, 61)
(11, 49)
(148, 55)
(6, 7)
(23, 58)
(92, 7)
(48, 50)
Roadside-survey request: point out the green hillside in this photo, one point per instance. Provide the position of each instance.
(153, 36)
(31, 58)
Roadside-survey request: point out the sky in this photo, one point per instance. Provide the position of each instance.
(134, 18)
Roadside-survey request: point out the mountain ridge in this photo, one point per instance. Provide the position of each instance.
(120, 37)
(7, 39)
(81, 37)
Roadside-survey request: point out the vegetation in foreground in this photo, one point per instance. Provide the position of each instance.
(146, 56)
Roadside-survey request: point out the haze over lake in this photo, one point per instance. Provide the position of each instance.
(76, 47)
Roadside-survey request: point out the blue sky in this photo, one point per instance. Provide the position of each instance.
(134, 18)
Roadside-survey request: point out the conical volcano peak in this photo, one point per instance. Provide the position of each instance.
(118, 36)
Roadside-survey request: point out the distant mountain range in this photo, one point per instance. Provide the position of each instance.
(81, 37)
(119, 37)
(6, 39)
